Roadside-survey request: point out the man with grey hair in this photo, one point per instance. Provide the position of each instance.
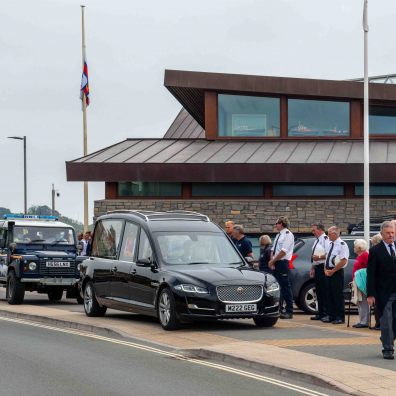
(337, 254)
(381, 286)
(242, 242)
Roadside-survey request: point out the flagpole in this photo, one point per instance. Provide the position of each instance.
(84, 109)
(366, 149)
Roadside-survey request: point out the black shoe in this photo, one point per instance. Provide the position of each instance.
(286, 315)
(338, 321)
(388, 355)
(375, 328)
(326, 319)
(316, 317)
(360, 326)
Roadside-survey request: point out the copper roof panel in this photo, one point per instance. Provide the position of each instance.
(321, 152)
(136, 148)
(356, 153)
(262, 154)
(302, 152)
(282, 152)
(245, 152)
(208, 151)
(111, 151)
(340, 152)
(170, 151)
(225, 152)
(150, 151)
(189, 151)
(391, 157)
(378, 152)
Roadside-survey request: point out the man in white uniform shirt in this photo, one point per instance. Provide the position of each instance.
(337, 255)
(318, 259)
(282, 254)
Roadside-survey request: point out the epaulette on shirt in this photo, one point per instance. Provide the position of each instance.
(287, 232)
(326, 237)
(342, 243)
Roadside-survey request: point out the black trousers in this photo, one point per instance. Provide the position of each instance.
(281, 274)
(388, 324)
(320, 285)
(335, 302)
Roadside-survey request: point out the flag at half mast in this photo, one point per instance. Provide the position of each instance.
(84, 90)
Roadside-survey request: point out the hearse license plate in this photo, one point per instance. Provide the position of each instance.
(52, 264)
(241, 308)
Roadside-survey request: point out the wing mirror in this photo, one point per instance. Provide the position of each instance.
(2, 243)
(144, 262)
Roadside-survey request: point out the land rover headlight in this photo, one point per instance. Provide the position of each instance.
(273, 288)
(192, 289)
(32, 266)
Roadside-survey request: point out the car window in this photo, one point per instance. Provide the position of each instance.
(106, 239)
(129, 242)
(350, 243)
(145, 250)
(196, 247)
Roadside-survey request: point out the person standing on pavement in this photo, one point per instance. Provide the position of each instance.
(242, 242)
(229, 229)
(281, 255)
(381, 285)
(318, 259)
(360, 248)
(337, 255)
(375, 240)
(265, 253)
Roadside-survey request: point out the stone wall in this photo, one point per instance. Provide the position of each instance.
(260, 215)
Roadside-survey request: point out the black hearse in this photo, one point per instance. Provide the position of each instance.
(177, 266)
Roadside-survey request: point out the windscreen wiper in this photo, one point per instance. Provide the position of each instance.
(198, 262)
(37, 240)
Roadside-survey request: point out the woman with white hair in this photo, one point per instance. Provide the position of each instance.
(359, 277)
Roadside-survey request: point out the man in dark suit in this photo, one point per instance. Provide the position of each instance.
(381, 286)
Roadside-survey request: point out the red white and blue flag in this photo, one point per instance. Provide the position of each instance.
(84, 90)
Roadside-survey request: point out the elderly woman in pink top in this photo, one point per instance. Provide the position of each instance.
(360, 248)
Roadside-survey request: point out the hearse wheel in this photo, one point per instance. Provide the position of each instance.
(55, 294)
(265, 321)
(91, 305)
(167, 310)
(15, 289)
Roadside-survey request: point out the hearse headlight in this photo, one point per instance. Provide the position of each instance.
(32, 266)
(273, 288)
(192, 289)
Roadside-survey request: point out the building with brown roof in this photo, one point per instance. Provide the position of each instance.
(251, 148)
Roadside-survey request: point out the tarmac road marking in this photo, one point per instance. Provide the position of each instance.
(246, 374)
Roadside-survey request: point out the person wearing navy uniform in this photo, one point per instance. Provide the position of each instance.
(242, 242)
(282, 254)
(381, 286)
(318, 259)
(337, 254)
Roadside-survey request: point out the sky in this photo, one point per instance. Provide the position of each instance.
(129, 45)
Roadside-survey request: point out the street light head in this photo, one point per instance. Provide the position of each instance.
(15, 137)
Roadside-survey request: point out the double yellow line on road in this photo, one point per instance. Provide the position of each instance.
(232, 370)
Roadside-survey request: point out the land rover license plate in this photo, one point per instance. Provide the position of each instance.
(52, 264)
(234, 308)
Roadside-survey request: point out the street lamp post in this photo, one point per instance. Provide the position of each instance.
(24, 169)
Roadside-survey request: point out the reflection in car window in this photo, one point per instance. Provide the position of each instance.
(196, 247)
(46, 235)
(128, 247)
(107, 238)
(145, 251)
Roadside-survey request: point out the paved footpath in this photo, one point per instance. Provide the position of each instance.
(348, 359)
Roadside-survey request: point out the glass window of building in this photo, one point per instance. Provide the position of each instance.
(382, 120)
(318, 118)
(227, 190)
(248, 116)
(307, 190)
(377, 189)
(149, 189)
